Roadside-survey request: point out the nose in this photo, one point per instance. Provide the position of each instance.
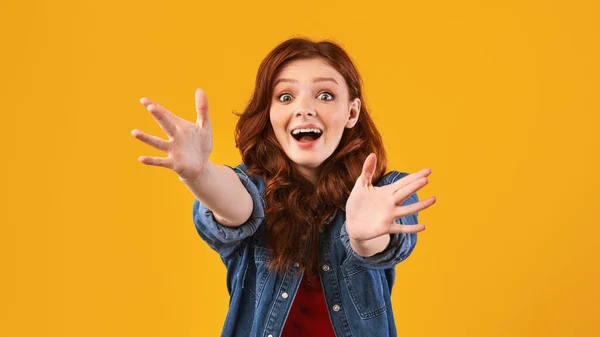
(305, 112)
(305, 107)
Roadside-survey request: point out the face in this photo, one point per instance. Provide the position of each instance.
(310, 109)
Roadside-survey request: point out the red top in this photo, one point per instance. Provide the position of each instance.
(308, 315)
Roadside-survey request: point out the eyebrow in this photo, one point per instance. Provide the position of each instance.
(315, 80)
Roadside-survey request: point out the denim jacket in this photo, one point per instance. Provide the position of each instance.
(357, 289)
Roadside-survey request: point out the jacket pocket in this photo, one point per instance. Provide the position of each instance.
(256, 273)
(365, 287)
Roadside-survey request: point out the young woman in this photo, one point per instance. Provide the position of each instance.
(309, 226)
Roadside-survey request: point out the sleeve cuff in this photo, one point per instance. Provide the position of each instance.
(399, 248)
(217, 234)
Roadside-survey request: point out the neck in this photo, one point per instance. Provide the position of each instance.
(309, 173)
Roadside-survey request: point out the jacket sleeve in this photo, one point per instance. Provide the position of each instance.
(401, 245)
(222, 239)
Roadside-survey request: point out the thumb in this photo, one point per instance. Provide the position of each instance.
(369, 168)
(201, 106)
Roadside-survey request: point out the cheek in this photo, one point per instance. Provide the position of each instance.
(277, 122)
(337, 123)
(274, 117)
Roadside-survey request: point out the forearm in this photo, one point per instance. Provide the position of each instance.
(370, 247)
(221, 191)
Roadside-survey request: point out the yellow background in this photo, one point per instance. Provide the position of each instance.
(498, 98)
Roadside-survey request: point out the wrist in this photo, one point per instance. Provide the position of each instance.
(367, 248)
(201, 174)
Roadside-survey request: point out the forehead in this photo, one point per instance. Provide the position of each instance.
(308, 69)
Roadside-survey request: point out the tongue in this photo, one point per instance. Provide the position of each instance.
(306, 139)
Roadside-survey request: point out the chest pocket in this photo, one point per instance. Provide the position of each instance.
(256, 273)
(365, 287)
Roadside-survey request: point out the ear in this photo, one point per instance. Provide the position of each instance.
(354, 113)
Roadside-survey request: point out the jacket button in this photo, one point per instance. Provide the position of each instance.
(284, 295)
(336, 308)
(296, 264)
(325, 267)
(270, 335)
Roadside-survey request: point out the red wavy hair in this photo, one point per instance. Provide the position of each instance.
(296, 210)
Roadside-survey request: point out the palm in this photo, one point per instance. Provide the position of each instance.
(371, 208)
(190, 151)
(189, 144)
(371, 211)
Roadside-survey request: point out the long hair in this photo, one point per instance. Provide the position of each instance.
(297, 210)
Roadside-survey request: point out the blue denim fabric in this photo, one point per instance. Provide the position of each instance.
(357, 289)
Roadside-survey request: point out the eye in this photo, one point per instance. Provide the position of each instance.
(284, 95)
(326, 95)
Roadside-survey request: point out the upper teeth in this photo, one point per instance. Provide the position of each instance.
(297, 131)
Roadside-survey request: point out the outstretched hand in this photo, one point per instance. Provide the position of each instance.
(189, 144)
(372, 210)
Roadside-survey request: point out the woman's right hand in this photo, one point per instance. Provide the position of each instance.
(189, 144)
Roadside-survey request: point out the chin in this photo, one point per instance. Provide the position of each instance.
(308, 161)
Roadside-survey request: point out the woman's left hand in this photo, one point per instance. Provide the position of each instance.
(372, 210)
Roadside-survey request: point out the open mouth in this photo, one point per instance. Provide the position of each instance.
(307, 135)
